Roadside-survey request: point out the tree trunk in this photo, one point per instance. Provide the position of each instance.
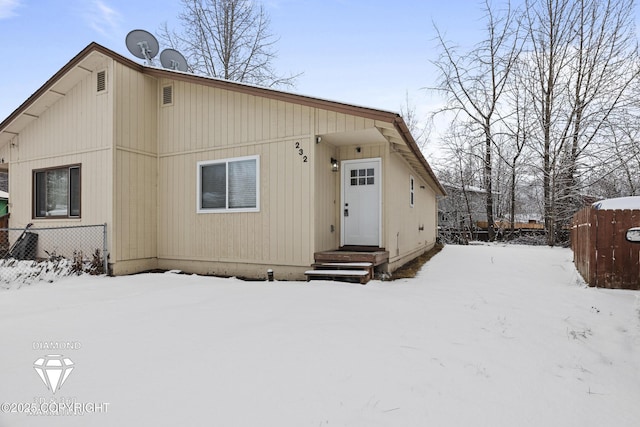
(546, 170)
(512, 208)
(488, 171)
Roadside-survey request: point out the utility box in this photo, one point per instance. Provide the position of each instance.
(26, 248)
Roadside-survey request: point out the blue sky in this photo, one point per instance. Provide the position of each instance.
(364, 52)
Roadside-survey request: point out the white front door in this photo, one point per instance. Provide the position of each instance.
(361, 186)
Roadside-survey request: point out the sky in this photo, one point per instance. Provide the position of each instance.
(365, 52)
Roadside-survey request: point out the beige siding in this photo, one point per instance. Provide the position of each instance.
(404, 236)
(75, 129)
(78, 122)
(349, 152)
(136, 111)
(135, 176)
(401, 223)
(328, 191)
(5, 153)
(279, 233)
(334, 122)
(94, 178)
(327, 199)
(204, 118)
(135, 206)
(366, 152)
(139, 174)
(212, 124)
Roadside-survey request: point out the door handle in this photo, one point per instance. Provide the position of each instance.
(346, 212)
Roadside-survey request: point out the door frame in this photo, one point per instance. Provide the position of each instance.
(343, 182)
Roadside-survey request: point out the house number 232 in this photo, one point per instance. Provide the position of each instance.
(301, 152)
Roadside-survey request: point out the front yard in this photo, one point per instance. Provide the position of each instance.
(484, 335)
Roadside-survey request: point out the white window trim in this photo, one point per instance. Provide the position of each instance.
(68, 215)
(200, 209)
(412, 191)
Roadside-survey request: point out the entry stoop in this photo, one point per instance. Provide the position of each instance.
(347, 264)
(375, 257)
(362, 271)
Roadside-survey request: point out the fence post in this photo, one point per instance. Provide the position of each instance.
(104, 249)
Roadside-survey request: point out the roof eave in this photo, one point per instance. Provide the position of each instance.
(403, 129)
(92, 47)
(366, 112)
(309, 101)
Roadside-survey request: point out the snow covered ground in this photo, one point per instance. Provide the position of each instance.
(486, 335)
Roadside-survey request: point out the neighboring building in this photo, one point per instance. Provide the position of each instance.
(4, 179)
(211, 176)
(4, 203)
(461, 206)
(462, 216)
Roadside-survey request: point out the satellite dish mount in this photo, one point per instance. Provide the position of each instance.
(142, 44)
(173, 60)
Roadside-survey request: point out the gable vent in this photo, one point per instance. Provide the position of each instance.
(167, 95)
(101, 81)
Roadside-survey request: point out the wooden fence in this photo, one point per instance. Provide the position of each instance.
(601, 253)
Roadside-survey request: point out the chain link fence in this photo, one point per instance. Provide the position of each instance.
(39, 253)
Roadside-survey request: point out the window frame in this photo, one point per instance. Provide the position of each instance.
(34, 189)
(412, 191)
(226, 161)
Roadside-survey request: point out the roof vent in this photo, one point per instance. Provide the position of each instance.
(167, 95)
(101, 81)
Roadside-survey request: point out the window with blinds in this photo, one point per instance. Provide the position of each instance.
(56, 192)
(229, 185)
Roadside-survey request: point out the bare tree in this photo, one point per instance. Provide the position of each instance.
(419, 130)
(551, 26)
(474, 83)
(517, 125)
(603, 72)
(461, 174)
(229, 39)
(626, 150)
(615, 170)
(583, 58)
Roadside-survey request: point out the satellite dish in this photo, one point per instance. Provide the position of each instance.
(142, 44)
(172, 59)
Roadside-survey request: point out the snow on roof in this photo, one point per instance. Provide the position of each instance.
(469, 188)
(632, 203)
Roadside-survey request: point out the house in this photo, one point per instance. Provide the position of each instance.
(462, 208)
(215, 177)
